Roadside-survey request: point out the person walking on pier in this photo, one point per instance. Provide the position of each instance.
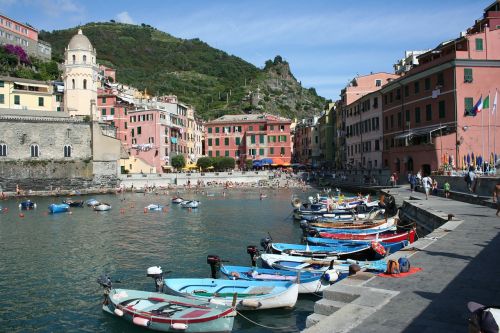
(496, 196)
(427, 183)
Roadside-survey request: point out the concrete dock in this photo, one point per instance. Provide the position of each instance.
(460, 261)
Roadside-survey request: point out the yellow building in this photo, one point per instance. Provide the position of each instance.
(17, 93)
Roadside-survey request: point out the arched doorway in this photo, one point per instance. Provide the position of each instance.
(410, 164)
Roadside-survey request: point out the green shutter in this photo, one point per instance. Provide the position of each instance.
(226, 142)
(468, 75)
(112, 111)
(261, 138)
(271, 151)
(226, 153)
(261, 151)
(2, 98)
(17, 99)
(252, 139)
(479, 44)
(103, 112)
(210, 130)
(469, 104)
(209, 142)
(40, 101)
(238, 141)
(217, 141)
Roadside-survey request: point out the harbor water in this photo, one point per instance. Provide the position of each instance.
(49, 263)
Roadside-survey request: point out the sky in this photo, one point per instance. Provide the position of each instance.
(326, 42)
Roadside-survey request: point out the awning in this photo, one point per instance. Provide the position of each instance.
(267, 161)
(257, 163)
(420, 131)
(166, 167)
(32, 84)
(278, 161)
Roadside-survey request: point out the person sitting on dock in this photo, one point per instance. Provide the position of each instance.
(496, 196)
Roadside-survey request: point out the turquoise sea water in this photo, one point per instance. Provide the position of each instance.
(49, 263)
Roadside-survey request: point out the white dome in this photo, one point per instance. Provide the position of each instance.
(80, 42)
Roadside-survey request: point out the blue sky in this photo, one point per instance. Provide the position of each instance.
(326, 42)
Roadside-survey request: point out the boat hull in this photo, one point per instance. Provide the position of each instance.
(58, 208)
(251, 295)
(195, 316)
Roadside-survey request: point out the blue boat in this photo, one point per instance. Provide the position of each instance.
(317, 265)
(250, 295)
(308, 282)
(58, 208)
(27, 205)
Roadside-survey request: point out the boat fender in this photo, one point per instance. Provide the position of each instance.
(249, 303)
(331, 275)
(20, 206)
(118, 312)
(377, 247)
(179, 326)
(141, 321)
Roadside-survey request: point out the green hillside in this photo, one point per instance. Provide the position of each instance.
(211, 80)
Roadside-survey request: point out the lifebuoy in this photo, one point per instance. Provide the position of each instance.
(377, 247)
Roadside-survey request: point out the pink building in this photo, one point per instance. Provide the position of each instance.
(428, 113)
(358, 107)
(17, 33)
(249, 137)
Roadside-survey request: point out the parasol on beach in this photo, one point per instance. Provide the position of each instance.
(468, 159)
(472, 159)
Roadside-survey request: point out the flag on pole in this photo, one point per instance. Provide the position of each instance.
(477, 108)
(486, 102)
(494, 109)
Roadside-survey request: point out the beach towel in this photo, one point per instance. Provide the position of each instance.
(412, 270)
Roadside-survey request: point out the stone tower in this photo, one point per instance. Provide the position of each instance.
(80, 77)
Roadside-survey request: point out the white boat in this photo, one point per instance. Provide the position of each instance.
(250, 295)
(190, 204)
(177, 200)
(102, 207)
(317, 265)
(154, 207)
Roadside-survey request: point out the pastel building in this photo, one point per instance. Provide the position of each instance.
(24, 94)
(359, 87)
(307, 142)
(363, 121)
(429, 115)
(24, 35)
(80, 77)
(249, 137)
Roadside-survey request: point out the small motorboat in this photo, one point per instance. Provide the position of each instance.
(154, 207)
(387, 237)
(73, 203)
(190, 204)
(58, 208)
(92, 202)
(177, 200)
(250, 295)
(102, 207)
(317, 265)
(166, 313)
(27, 205)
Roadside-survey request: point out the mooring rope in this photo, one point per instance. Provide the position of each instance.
(262, 325)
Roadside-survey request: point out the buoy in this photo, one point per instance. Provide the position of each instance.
(141, 321)
(179, 326)
(21, 215)
(118, 312)
(249, 303)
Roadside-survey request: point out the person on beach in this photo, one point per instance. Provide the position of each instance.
(469, 178)
(446, 188)
(434, 187)
(413, 182)
(427, 183)
(496, 196)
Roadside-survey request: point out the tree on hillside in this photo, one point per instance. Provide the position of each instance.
(178, 161)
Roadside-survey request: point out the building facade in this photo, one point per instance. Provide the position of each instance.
(24, 94)
(364, 132)
(430, 118)
(306, 142)
(80, 77)
(327, 135)
(16, 33)
(249, 137)
(358, 87)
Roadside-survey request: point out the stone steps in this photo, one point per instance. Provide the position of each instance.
(326, 307)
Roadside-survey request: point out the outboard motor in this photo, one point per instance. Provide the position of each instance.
(303, 224)
(214, 262)
(156, 273)
(312, 232)
(266, 243)
(254, 254)
(105, 282)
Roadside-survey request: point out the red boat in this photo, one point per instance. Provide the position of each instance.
(386, 237)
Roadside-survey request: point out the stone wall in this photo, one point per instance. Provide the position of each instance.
(50, 170)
